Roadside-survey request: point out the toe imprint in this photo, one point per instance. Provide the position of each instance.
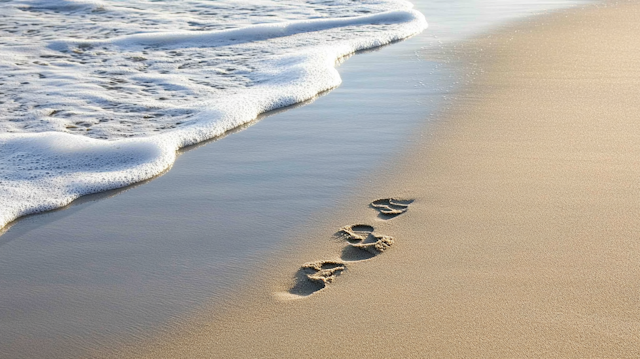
(356, 233)
(323, 272)
(362, 236)
(315, 276)
(391, 207)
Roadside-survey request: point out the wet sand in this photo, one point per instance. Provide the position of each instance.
(523, 237)
(117, 267)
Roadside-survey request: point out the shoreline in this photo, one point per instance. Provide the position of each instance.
(520, 241)
(145, 152)
(113, 271)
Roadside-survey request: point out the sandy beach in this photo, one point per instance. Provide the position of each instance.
(522, 240)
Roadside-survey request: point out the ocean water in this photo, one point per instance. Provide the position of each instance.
(98, 95)
(118, 266)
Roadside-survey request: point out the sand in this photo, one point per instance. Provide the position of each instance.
(523, 239)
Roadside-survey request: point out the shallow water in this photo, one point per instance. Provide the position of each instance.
(75, 75)
(114, 267)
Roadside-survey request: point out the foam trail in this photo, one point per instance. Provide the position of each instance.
(101, 110)
(247, 34)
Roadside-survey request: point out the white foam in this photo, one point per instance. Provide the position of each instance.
(43, 171)
(120, 103)
(261, 32)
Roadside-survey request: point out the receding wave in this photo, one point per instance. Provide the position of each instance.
(96, 95)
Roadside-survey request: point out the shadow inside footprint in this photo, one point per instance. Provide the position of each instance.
(355, 233)
(390, 207)
(363, 243)
(315, 276)
(354, 254)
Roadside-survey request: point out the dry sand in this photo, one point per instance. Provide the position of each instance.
(524, 237)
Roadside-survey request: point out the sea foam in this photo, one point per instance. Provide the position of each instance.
(96, 95)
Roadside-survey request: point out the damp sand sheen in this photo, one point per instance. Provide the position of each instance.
(521, 239)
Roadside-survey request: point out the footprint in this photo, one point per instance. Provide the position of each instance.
(315, 276)
(391, 207)
(363, 242)
(356, 233)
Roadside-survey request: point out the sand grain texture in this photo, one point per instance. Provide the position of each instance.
(524, 237)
